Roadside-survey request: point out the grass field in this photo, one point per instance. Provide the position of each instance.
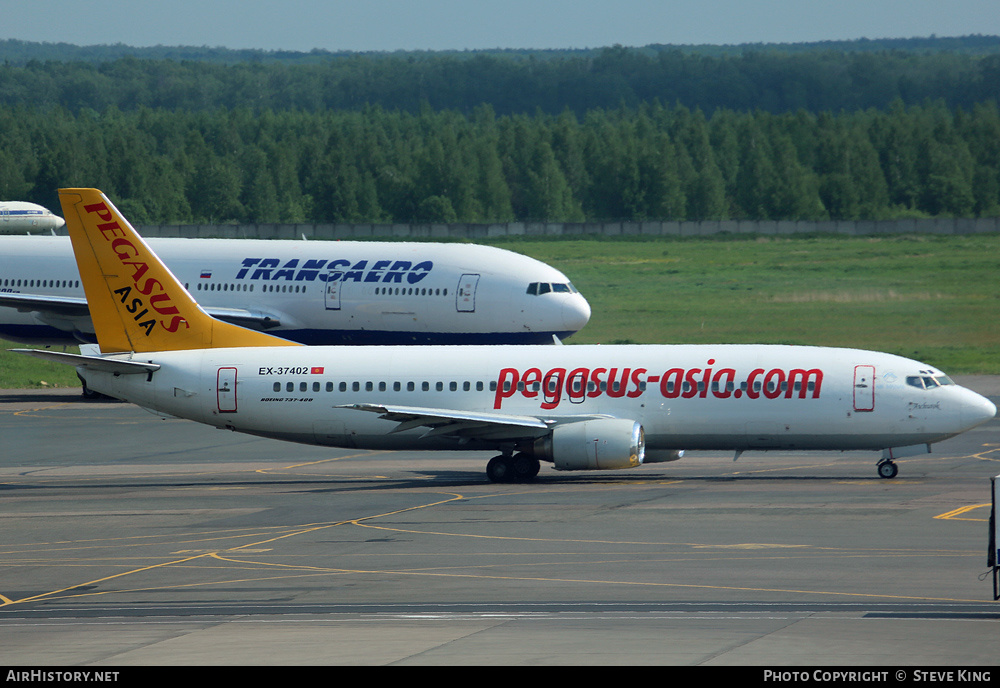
(933, 298)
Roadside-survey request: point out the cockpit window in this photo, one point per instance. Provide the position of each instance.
(539, 288)
(928, 381)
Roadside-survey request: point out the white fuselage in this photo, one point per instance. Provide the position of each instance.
(316, 292)
(686, 397)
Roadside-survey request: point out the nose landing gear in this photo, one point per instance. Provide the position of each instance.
(887, 469)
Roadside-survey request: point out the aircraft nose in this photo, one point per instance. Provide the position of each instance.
(576, 313)
(977, 409)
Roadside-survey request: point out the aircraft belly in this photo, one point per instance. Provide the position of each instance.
(696, 425)
(357, 429)
(777, 441)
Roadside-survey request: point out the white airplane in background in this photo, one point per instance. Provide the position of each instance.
(579, 407)
(314, 292)
(21, 216)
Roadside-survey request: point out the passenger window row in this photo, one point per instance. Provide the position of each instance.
(685, 386)
(410, 291)
(43, 283)
(382, 386)
(226, 286)
(301, 289)
(479, 386)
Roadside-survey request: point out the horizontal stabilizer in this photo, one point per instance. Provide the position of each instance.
(107, 364)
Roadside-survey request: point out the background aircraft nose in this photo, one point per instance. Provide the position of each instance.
(576, 313)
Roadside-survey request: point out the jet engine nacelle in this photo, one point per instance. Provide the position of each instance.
(600, 444)
(663, 455)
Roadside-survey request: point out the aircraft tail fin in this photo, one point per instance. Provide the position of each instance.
(135, 302)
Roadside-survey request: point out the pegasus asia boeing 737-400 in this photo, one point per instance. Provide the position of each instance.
(578, 407)
(314, 292)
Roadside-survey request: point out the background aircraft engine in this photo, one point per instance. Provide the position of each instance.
(663, 455)
(602, 444)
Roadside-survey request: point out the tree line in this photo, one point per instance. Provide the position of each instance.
(769, 79)
(628, 163)
(16, 51)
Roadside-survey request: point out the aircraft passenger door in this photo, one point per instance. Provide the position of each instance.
(465, 299)
(864, 388)
(331, 294)
(225, 390)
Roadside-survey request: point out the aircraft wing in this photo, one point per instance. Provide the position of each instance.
(465, 424)
(76, 306)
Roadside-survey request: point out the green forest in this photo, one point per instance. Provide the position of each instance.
(616, 134)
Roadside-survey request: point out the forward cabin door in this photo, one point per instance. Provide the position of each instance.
(864, 388)
(225, 390)
(465, 299)
(331, 295)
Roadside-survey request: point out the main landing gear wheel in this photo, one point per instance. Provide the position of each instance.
(887, 469)
(525, 467)
(512, 469)
(499, 469)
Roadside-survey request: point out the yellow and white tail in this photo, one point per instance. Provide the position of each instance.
(135, 302)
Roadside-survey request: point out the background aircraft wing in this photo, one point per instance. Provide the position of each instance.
(255, 320)
(76, 306)
(57, 305)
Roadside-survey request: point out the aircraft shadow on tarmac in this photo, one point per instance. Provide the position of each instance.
(424, 479)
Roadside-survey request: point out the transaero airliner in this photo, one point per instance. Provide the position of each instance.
(576, 407)
(314, 292)
(21, 216)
